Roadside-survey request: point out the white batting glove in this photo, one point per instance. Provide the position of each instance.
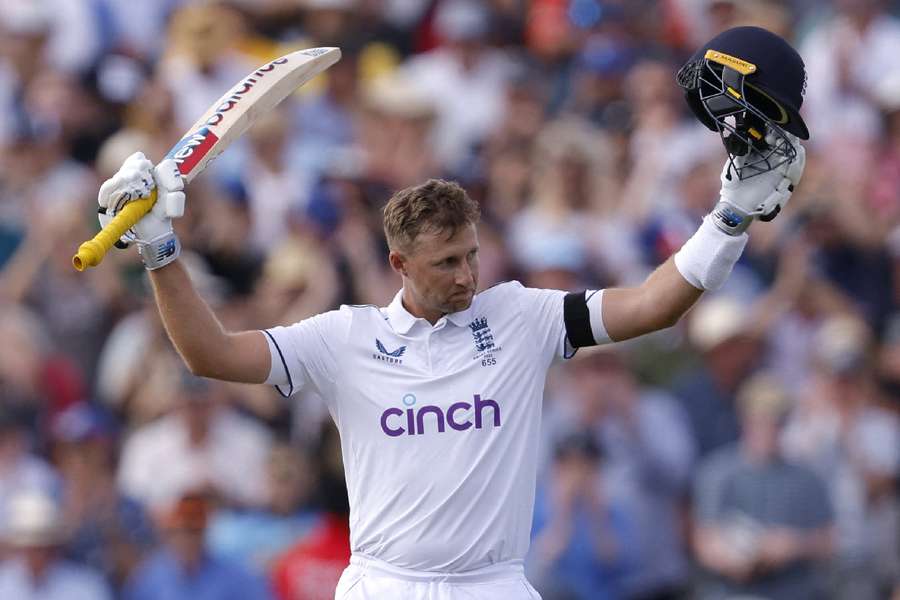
(761, 196)
(153, 234)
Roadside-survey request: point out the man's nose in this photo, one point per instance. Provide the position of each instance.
(464, 276)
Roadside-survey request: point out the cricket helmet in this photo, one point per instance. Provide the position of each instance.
(747, 84)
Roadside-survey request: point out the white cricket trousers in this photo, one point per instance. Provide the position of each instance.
(372, 579)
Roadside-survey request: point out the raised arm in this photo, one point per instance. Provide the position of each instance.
(657, 303)
(207, 349)
(705, 260)
(204, 345)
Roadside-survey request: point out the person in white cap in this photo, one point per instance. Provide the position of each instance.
(35, 571)
(730, 350)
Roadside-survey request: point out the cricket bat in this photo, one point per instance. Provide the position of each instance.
(224, 122)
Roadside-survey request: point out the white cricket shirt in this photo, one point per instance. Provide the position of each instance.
(438, 424)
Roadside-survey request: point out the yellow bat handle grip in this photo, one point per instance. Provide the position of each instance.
(92, 251)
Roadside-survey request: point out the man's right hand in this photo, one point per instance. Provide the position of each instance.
(153, 234)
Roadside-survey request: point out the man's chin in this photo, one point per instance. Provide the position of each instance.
(461, 304)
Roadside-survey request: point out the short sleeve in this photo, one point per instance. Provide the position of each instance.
(307, 351)
(543, 314)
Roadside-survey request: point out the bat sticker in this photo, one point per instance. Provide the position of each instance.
(188, 152)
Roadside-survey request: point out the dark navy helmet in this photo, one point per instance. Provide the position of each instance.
(747, 83)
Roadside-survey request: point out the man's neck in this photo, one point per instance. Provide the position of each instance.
(417, 310)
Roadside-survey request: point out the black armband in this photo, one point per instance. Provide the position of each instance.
(577, 319)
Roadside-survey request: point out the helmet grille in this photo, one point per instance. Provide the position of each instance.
(748, 119)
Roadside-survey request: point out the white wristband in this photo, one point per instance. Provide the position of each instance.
(159, 251)
(707, 258)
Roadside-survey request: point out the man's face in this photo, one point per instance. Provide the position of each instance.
(760, 435)
(439, 273)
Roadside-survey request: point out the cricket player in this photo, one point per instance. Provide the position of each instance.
(437, 396)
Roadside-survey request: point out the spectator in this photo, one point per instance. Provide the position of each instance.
(888, 363)
(762, 525)
(583, 541)
(571, 179)
(25, 27)
(507, 155)
(839, 429)
(34, 533)
(20, 470)
(34, 376)
(202, 60)
(396, 130)
(126, 363)
(106, 530)
(204, 443)
(846, 57)
(255, 537)
(467, 63)
(331, 22)
(311, 569)
(275, 187)
(719, 330)
(183, 569)
(648, 456)
(328, 122)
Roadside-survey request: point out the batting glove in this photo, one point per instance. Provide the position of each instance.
(156, 241)
(761, 196)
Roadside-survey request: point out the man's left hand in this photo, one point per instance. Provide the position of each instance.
(761, 196)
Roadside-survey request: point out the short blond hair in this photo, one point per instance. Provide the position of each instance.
(435, 206)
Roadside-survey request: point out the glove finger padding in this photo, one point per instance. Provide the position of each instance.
(109, 186)
(776, 201)
(170, 184)
(791, 174)
(136, 163)
(796, 166)
(762, 194)
(118, 200)
(132, 180)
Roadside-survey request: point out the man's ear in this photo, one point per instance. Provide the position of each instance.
(398, 262)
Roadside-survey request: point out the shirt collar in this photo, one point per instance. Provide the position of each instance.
(402, 321)
(398, 316)
(463, 317)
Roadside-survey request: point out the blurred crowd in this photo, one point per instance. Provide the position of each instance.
(753, 450)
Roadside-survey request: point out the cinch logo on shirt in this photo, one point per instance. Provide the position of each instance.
(392, 421)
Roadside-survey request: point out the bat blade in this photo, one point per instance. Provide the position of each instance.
(225, 121)
(232, 114)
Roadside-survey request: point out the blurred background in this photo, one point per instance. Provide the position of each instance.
(751, 451)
